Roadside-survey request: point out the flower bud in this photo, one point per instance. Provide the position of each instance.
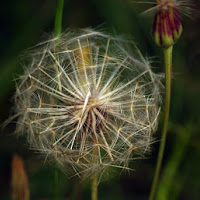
(167, 27)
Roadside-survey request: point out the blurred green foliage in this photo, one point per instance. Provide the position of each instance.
(25, 23)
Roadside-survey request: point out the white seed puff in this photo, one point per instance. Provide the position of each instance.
(87, 102)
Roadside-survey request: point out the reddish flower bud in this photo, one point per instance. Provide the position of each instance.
(167, 26)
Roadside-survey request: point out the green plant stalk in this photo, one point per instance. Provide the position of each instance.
(55, 184)
(94, 194)
(57, 31)
(168, 69)
(94, 185)
(58, 18)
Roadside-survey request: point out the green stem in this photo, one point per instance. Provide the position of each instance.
(57, 31)
(94, 188)
(58, 18)
(55, 184)
(168, 68)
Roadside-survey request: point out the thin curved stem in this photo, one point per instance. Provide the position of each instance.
(168, 68)
(94, 194)
(58, 18)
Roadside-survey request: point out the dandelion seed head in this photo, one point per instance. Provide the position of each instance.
(87, 102)
(184, 7)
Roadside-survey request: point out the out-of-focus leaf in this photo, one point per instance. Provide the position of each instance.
(19, 182)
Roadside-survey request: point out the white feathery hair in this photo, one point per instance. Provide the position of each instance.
(88, 100)
(184, 7)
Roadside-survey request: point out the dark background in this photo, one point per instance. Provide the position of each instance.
(24, 23)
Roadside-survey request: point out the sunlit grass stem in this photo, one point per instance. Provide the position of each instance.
(168, 68)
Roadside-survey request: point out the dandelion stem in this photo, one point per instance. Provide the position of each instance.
(94, 188)
(57, 31)
(58, 18)
(168, 67)
(55, 185)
